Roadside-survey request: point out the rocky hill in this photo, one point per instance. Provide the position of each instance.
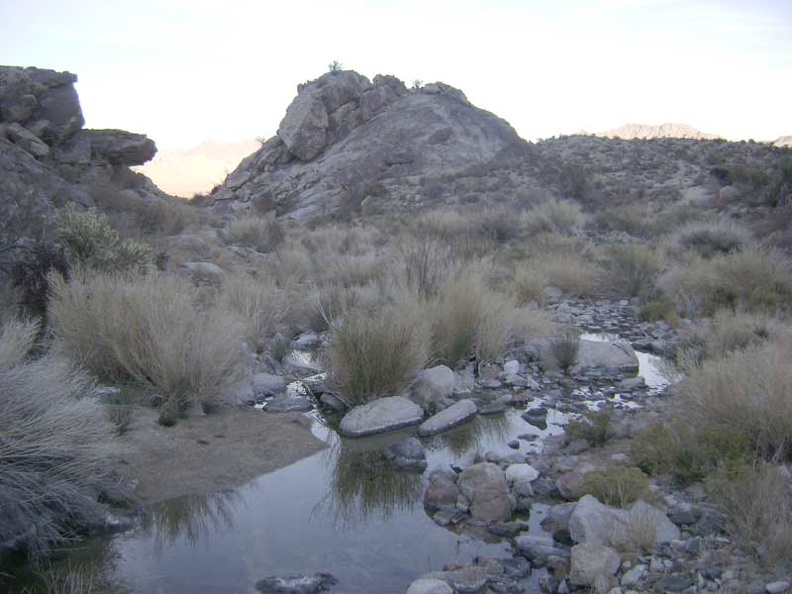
(346, 140)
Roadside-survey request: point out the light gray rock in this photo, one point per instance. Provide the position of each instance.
(778, 587)
(607, 355)
(408, 455)
(284, 404)
(539, 549)
(633, 576)
(442, 491)
(511, 367)
(593, 522)
(429, 586)
(519, 477)
(456, 414)
(432, 386)
(267, 384)
(588, 561)
(380, 416)
(484, 486)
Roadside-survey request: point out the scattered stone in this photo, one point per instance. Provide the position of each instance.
(511, 367)
(408, 455)
(380, 416)
(588, 561)
(296, 584)
(332, 401)
(538, 549)
(442, 491)
(432, 386)
(454, 415)
(778, 587)
(607, 355)
(484, 486)
(268, 384)
(520, 477)
(672, 583)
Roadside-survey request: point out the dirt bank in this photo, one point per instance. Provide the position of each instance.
(206, 453)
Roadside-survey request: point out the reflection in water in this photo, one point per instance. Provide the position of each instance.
(473, 436)
(190, 518)
(365, 483)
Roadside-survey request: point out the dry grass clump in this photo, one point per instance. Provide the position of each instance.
(425, 262)
(618, 486)
(375, 352)
(746, 393)
(261, 233)
(594, 427)
(635, 219)
(554, 216)
(260, 303)
(725, 333)
(756, 500)
(711, 238)
(629, 270)
(151, 329)
(753, 279)
(50, 423)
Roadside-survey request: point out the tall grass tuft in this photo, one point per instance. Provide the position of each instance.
(50, 425)
(554, 216)
(151, 329)
(375, 352)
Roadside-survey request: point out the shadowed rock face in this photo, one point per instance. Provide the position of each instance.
(345, 139)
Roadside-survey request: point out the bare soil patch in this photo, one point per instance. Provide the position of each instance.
(202, 454)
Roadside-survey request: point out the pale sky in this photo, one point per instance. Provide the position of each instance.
(183, 71)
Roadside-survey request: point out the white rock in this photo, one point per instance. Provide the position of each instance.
(385, 414)
(454, 415)
(589, 561)
(429, 586)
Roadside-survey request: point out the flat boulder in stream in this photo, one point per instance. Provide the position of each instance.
(296, 584)
(606, 355)
(380, 416)
(454, 415)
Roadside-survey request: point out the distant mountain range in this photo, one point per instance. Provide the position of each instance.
(186, 172)
(631, 131)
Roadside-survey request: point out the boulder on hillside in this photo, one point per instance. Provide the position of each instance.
(119, 147)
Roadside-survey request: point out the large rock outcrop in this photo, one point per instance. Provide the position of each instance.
(345, 140)
(48, 160)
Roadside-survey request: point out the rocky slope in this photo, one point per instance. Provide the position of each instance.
(346, 140)
(48, 159)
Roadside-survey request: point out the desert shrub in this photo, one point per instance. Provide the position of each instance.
(468, 319)
(30, 275)
(746, 393)
(629, 270)
(260, 303)
(594, 427)
(752, 280)
(725, 333)
(756, 501)
(499, 226)
(570, 272)
(151, 329)
(50, 469)
(687, 452)
(527, 285)
(635, 219)
(425, 262)
(659, 308)
(261, 233)
(93, 242)
(375, 352)
(713, 237)
(618, 486)
(554, 216)
(565, 346)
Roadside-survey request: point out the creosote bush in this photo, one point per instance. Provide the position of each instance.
(629, 270)
(50, 468)
(262, 233)
(554, 216)
(713, 237)
(150, 329)
(594, 427)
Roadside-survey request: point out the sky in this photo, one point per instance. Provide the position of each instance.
(184, 71)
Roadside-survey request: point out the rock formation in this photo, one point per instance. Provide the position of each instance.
(346, 140)
(47, 159)
(644, 131)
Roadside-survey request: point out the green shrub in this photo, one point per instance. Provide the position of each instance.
(50, 468)
(374, 353)
(659, 308)
(94, 243)
(619, 486)
(151, 329)
(594, 427)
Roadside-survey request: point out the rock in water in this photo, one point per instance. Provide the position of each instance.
(385, 414)
(296, 584)
(484, 486)
(454, 415)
